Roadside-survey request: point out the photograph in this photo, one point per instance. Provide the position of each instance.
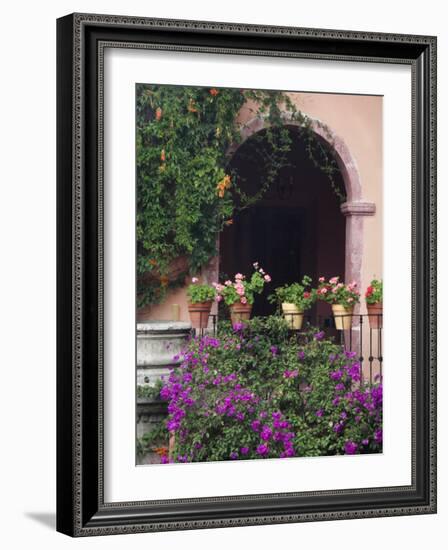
(246, 305)
(259, 274)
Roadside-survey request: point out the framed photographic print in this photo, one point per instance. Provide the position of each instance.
(246, 274)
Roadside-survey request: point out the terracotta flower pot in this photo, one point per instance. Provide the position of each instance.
(240, 312)
(375, 312)
(199, 314)
(342, 316)
(293, 315)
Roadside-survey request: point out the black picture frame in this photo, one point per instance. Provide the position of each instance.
(81, 510)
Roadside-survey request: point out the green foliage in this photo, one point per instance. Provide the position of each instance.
(145, 391)
(186, 190)
(299, 294)
(200, 293)
(374, 292)
(156, 438)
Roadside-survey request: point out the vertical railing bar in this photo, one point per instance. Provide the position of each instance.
(360, 350)
(351, 332)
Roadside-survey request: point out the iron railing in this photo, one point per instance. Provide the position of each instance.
(359, 333)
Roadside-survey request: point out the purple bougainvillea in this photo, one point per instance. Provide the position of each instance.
(255, 392)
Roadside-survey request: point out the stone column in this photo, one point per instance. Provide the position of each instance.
(354, 211)
(158, 342)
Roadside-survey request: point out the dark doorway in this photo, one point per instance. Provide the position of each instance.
(295, 229)
(273, 237)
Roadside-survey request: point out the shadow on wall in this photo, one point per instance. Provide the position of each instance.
(47, 519)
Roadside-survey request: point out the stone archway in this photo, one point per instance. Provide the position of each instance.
(354, 208)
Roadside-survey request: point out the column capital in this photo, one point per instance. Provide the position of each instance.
(358, 208)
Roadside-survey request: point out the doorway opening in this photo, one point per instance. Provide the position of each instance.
(295, 229)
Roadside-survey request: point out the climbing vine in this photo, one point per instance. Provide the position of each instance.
(187, 192)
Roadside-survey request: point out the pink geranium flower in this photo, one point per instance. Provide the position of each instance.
(267, 278)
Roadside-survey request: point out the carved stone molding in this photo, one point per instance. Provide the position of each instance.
(358, 208)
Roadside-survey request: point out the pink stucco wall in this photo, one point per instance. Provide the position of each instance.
(356, 121)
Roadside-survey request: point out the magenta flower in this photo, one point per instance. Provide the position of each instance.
(255, 425)
(233, 455)
(262, 450)
(319, 413)
(244, 450)
(337, 428)
(172, 425)
(288, 452)
(350, 447)
(266, 433)
(319, 335)
(336, 375)
(355, 372)
(378, 435)
(291, 373)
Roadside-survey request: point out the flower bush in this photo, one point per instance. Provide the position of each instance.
(335, 292)
(255, 392)
(241, 289)
(198, 293)
(299, 294)
(374, 292)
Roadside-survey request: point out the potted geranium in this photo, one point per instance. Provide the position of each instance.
(200, 298)
(374, 301)
(294, 299)
(342, 298)
(239, 294)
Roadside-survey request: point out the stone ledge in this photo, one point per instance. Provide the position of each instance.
(157, 327)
